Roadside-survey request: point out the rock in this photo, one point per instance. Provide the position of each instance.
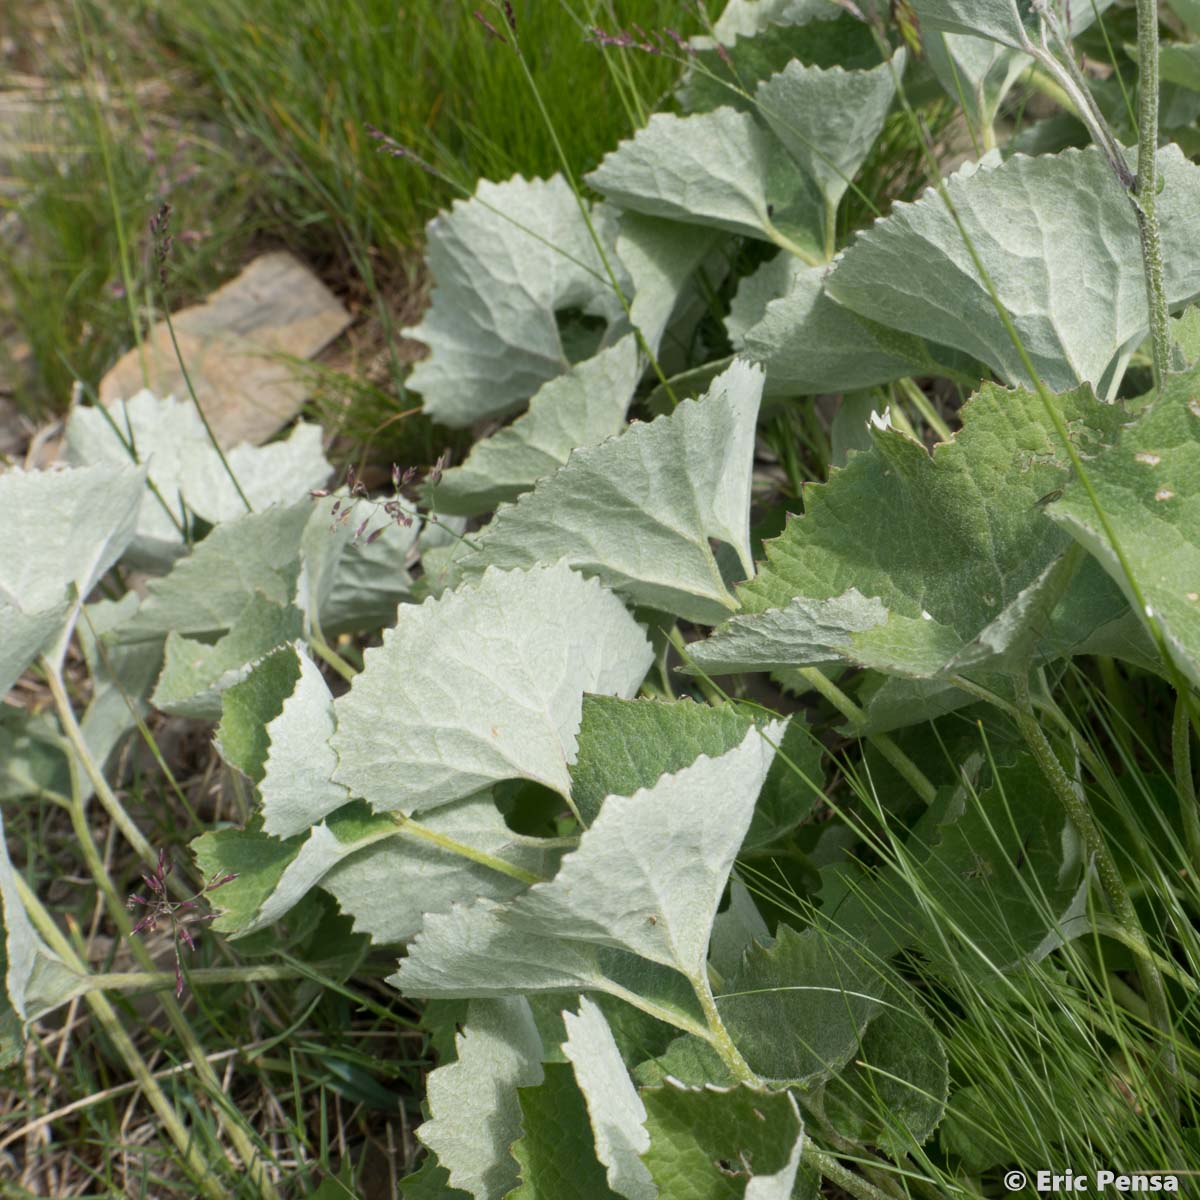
(236, 345)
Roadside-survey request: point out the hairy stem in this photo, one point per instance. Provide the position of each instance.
(1146, 186)
(1185, 782)
(1080, 815)
(161, 981)
(718, 1035)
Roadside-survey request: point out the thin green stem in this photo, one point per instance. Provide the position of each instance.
(119, 915)
(922, 404)
(711, 694)
(316, 639)
(208, 429)
(203, 1173)
(853, 1185)
(107, 797)
(160, 981)
(1185, 781)
(905, 767)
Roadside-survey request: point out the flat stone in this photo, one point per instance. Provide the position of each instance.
(236, 346)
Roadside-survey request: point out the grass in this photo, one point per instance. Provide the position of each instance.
(1056, 1063)
(250, 118)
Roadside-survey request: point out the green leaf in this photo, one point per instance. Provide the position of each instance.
(1188, 11)
(745, 18)
(122, 676)
(1000, 878)
(475, 1113)
(431, 1182)
(736, 929)
(629, 744)
(182, 463)
(386, 874)
(484, 684)
(647, 879)
(391, 887)
(506, 263)
(1148, 485)
(205, 593)
(31, 755)
(915, 564)
(195, 673)
(555, 1153)
(296, 785)
(579, 408)
(828, 120)
(976, 74)
(34, 978)
(350, 582)
(710, 1144)
(248, 707)
(823, 39)
(1066, 212)
(617, 1114)
(784, 319)
(720, 169)
(661, 258)
(894, 1093)
(639, 511)
(1010, 868)
(797, 1008)
(62, 530)
(1010, 22)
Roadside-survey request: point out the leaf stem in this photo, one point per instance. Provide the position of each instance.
(422, 833)
(905, 767)
(718, 1036)
(853, 1185)
(922, 404)
(316, 639)
(158, 981)
(107, 797)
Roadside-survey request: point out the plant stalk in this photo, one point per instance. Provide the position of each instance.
(905, 767)
(1185, 782)
(107, 797)
(1080, 815)
(1146, 186)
